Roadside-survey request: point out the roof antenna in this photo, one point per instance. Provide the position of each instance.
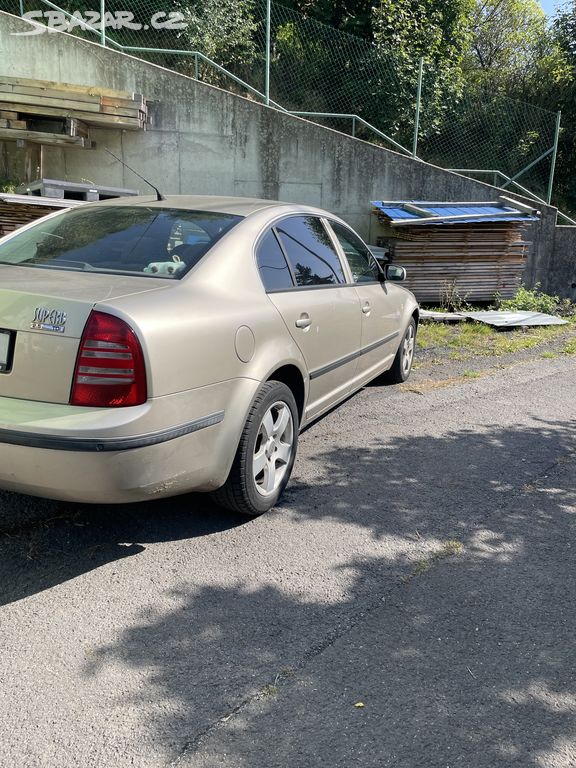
(159, 196)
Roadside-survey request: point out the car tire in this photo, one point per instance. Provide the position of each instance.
(265, 455)
(402, 364)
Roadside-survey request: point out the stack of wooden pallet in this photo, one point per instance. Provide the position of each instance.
(18, 210)
(476, 260)
(48, 112)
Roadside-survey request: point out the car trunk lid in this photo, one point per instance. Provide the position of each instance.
(42, 315)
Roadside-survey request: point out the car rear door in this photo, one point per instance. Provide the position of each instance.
(305, 280)
(381, 304)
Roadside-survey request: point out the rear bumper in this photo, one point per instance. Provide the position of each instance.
(168, 446)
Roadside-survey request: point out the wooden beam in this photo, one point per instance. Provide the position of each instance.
(91, 90)
(520, 206)
(92, 118)
(39, 137)
(418, 211)
(46, 101)
(53, 93)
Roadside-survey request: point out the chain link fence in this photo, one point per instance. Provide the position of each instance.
(332, 77)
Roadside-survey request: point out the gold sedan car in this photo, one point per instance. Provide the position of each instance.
(154, 347)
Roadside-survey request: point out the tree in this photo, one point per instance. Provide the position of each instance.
(512, 48)
(435, 30)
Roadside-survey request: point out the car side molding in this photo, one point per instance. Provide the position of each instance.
(343, 360)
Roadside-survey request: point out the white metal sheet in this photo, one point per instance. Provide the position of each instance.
(512, 319)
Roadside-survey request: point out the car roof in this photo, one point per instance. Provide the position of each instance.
(239, 206)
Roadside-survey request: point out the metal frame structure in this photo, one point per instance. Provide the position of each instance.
(356, 119)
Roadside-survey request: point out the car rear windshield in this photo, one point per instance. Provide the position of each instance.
(134, 240)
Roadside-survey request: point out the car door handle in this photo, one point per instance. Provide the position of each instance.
(303, 321)
(366, 308)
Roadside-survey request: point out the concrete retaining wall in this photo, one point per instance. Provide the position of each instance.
(561, 279)
(205, 140)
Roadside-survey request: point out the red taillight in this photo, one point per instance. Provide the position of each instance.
(110, 368)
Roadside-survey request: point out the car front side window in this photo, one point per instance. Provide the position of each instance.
(310, 251)
(362, 263)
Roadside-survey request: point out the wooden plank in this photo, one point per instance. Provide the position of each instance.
(92, 118)
(123, 112)
(39, 137)
(108, 101)
(118, 105)
(47, 102)
(75, 127)
(7, 115)
(53, 93)
(92, 90)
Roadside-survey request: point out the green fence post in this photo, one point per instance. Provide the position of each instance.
(554, 153)
(417, 116)
(267, 83)
(21, 7)
(196, 70)
(102, 24)
(354, 126)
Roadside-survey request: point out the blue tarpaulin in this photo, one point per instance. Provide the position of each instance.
(402, 211)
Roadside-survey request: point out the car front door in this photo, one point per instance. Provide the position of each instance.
(381, 304)
(319, 306)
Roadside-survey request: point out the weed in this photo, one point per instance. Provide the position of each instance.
(450, 299)
(531, 300)
(471, 374)
(548, 355)
(448, 549)
(421, 567)
(269, 690)
(535, 300)
(570, 347)
(9, 184)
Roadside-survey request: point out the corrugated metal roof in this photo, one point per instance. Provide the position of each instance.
(402, 211)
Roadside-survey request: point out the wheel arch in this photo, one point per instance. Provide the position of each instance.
(292, 376)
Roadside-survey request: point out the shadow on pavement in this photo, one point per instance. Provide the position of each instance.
(44, 543)
(466, 662)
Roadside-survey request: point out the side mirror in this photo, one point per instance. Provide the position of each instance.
(394, 273)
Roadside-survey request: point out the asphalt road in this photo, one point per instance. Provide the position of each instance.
(175, 634)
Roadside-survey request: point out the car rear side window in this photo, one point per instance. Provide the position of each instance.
(310, 251)
(362, 263)
(274, 270)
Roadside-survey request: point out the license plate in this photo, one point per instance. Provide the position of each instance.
(5, 338)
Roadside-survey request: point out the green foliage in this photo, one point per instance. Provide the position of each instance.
(435, 30)
(506, 40)
(9, 185)
(531, 300)
(223, 30)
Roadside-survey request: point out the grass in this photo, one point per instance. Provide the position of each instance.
(471, 374)
(469, 339)
(448, 549)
